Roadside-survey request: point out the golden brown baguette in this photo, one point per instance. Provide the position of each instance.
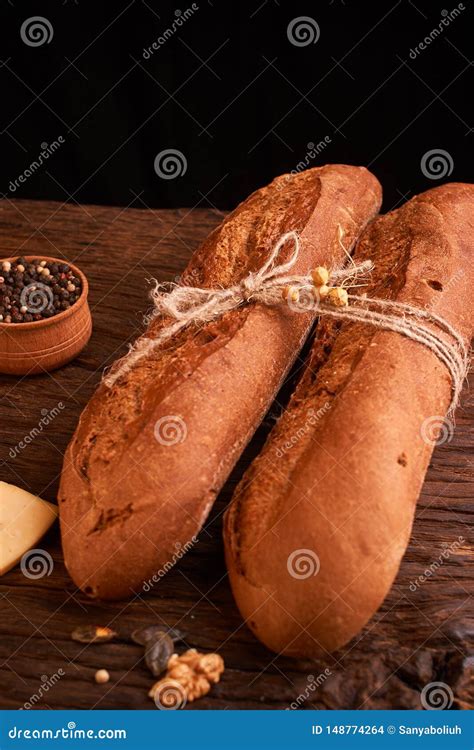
(320, 521)
(150, 455)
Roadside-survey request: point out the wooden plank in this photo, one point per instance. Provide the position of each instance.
(422, 633)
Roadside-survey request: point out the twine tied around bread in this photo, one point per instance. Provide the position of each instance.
(273, 284)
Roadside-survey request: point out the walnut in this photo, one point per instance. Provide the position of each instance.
(211, 665)
(190, 674)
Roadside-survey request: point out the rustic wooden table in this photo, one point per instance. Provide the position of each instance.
(423, 633)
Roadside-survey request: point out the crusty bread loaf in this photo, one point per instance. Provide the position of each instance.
(150, 454)
(319, 523)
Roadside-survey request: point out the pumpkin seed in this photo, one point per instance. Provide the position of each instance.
(158, 652)
(142, 636)
(93, 634)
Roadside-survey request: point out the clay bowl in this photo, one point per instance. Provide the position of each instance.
(44, 345)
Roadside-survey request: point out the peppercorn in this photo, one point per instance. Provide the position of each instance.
(35, 290)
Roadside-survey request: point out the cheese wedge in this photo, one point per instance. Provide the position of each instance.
(24, 519)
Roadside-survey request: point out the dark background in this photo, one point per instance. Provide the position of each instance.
(232, 93)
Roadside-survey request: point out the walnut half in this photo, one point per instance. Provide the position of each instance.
(188, 678)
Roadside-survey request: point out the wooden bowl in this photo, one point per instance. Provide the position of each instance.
(44, 345)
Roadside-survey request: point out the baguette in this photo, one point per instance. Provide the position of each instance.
(319, 523)
(151, 453)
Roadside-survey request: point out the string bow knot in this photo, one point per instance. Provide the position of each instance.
(185, 305)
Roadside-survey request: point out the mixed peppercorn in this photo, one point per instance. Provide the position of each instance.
(36, 289)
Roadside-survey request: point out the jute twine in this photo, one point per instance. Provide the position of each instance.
(187, 305)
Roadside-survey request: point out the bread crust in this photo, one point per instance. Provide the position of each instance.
(344, 491)
(129, 504)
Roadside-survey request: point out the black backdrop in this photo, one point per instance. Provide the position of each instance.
(238, 89)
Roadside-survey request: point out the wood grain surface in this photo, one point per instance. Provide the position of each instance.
(424, 631)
